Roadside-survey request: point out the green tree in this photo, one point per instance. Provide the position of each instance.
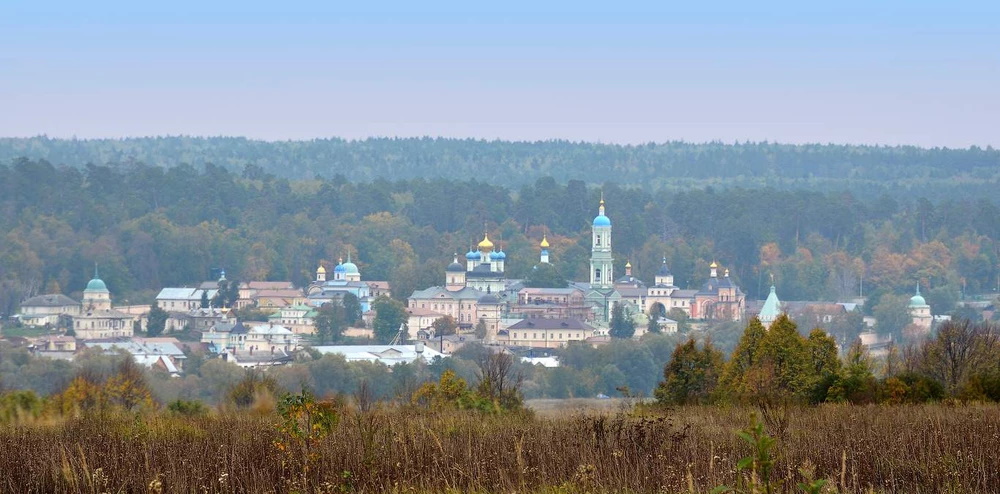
(390, 316)
(745, 357)
(545, 275)
(330, 322)
(157, 320)
(682, 318)
(352, 309)
(653, 325)
(892, 315)
(205, 302)
(691, 376)
(622, 324)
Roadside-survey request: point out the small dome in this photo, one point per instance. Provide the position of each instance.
(917, 299)
(501, 255)
(489, 299)
(350, 268)
(545, 242)
(494, 256)
(473, 255)
(455, 267)
(713, 265)
(339, 268)
(96, 285)
(628, 264)
(321, 270)
(602, 220)
(485, 244)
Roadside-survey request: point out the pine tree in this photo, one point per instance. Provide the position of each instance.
(622, 325)
(157, 320)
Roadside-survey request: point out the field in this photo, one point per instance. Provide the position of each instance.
(913, 449)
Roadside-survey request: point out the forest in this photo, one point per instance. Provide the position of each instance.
(867, 170)
(148, 227)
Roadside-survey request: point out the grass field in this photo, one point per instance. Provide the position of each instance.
(913, 449)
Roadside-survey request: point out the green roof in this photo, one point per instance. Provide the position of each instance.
(771, 309)
(96, 285)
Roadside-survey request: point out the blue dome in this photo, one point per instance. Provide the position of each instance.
(494, 255)
(473, 255)
(339, 268)
(350, 268)
(501, 255)
(602, 220)
(97, 284)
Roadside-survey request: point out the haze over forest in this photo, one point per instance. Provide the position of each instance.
(895, 170)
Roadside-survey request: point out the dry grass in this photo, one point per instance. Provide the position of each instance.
(913, 449)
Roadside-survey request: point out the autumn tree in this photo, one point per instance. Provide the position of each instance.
(444, 326)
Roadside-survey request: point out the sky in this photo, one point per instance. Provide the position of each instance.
(865, 72)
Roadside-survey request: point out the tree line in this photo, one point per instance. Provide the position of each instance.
(148, 227)
(778, 365)
(653, 165)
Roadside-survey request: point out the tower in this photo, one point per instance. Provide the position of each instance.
(601, 275)
(545, 250)
(320, 274)
(663, 276)
(771, 309)
(454, 276)
(96, 296)
(919, 311)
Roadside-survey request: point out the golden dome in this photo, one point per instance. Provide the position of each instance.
(628, 264)
(321, 269)
(545, 242)
(713, 265)
(485, 244)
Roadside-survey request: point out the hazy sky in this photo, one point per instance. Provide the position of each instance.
(892, 72)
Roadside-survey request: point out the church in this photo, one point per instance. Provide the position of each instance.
(346, 279)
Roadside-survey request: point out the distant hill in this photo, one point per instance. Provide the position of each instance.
(651, 166)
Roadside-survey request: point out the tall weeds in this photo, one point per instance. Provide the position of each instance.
(926, 448)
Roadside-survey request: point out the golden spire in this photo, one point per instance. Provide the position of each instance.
(628, 264)
(713, 265)
(545, 242)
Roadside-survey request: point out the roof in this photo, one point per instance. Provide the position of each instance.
(96, 285)
(416, 311)
(386, 354)
(549, 291)
(440, 292)
(271, 285)
(51, 300)
(547, 324)
(238, 328)
(384, 285)
(664, 270)
(270, 329)
(279, 293)
(104, 314)
(772, 307)
(190, 294)
(629, 291)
